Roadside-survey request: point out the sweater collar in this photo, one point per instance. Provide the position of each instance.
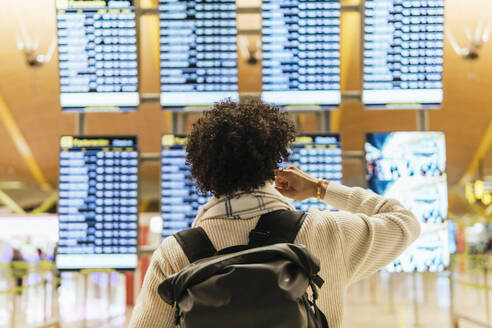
(244, 205)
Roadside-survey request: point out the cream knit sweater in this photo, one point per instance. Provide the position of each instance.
(366, 234)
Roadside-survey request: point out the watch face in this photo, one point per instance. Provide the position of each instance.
(321, 156)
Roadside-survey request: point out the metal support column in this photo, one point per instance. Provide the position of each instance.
(174, 120)
(81, 124)
(179, 122)
(423, 120)
(325, 121)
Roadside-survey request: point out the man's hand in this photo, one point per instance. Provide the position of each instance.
(296, 184)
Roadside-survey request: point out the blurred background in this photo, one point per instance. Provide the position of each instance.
(450, 289)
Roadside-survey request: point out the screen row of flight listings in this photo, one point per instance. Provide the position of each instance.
(98, 191)
(98, 53)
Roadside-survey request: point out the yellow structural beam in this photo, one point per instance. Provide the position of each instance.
(10, 185)
(46, 205)
(481, 151)
(22, 146)
(10, 203)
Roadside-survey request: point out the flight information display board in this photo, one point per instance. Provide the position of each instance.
(403, 54)
(198, 52)
(180, 199)
(321, 156)
(411, 167)
(301, 52)
(97, 47)
(98, 203)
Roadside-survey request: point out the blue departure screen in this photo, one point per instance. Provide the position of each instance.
(180, 200)
(98, 203)
(198, 52)
(321, 156)
(403, 53)
(411, 167)
(301, 52)
(97, 48)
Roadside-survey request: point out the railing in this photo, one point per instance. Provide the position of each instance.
(474, 266)
(15, 272)
(458, 317)
(479, 264)
(38, 285)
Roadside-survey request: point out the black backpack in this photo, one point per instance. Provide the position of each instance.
(262, 284)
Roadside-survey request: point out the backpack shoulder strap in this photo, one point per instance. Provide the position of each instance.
(195, 244)
(276, 227)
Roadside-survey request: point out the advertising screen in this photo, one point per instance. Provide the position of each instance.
(403, 54)
(198, 52)
(411, 167)
(301, 52)
(97, 47)
(98, 203)
(319, 155)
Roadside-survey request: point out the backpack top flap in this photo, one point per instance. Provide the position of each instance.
(173, 288)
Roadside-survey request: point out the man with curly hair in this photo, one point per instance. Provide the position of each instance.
(234, 151)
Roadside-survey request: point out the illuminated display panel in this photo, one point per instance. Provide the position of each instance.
(403, 53)
(198, 52)
(97, 47)
(98, 203)
(180, 199)
(411, 167)
(301, 52)
(321, 156)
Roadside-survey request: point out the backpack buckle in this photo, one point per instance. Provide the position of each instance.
(318, 281)
(259, 236)
(177, 315)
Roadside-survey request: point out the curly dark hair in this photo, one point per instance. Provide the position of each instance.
(238, 146)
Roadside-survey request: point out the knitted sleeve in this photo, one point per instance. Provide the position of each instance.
(150, 310)
(373, 231)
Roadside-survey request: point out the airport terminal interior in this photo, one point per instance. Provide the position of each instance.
(97, 98)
